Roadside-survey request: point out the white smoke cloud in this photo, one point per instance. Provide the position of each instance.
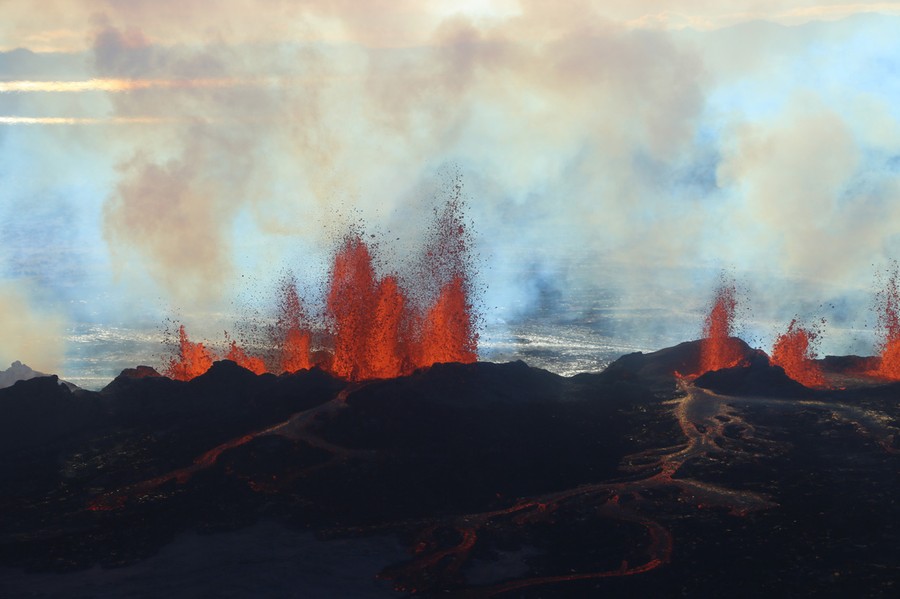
(598, 145)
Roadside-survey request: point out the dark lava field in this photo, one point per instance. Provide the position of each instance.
(468, 480)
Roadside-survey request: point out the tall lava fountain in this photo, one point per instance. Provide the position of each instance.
(717, 348)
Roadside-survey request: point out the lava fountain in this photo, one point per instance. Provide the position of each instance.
(888, 306)
(192, 359)
(291, 336)
(374, 327)
(794, 352)
(717, 348)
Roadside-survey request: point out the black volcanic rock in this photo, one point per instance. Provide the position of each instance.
(487, 473)
(462, 434)
(849, 364)
(39, 412)
(758, 377)
(140, 372)
(658, 368)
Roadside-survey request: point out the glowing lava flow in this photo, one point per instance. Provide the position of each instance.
(297, 427)
(709, 422)
(717, 348)
(703, 418)
(793, 351)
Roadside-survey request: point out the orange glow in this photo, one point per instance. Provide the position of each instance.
(292, 334)
(239, 357)
(793, 351)
(351, 303)
(717, 348)
(193, 359)
(387, 348)
(447, 334)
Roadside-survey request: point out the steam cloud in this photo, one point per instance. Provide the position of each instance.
(586, 135)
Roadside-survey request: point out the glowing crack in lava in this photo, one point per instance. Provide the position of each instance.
(376, 328)
(888, 305)
(717, 348)
(794, 352)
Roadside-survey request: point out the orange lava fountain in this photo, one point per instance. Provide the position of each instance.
(374, 328)
(717, 348)
(240, 357)
(793, 351)
(367, 315)
(193, 359)
(292, 335)
(447, 335)
(889, 322)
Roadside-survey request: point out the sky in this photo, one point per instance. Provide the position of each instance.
(170, 159)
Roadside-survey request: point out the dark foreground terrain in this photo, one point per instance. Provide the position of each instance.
(471, 480)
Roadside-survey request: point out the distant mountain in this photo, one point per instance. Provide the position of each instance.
(22, 372)
(17, 372)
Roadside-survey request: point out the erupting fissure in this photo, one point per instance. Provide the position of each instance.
(794, 352)
(718, 349)
(374, 327)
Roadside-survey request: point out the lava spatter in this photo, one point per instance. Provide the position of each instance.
(192, 359)
(794, 352)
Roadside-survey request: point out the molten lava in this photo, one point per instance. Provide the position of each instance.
(240, 357)
(793, 351)
(717, 348)
(889, 322)
(292, 335)
(374, 328)
(447, 334)
(193, 359)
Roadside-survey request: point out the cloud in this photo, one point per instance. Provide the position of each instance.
(29, 334)
(583, 137)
